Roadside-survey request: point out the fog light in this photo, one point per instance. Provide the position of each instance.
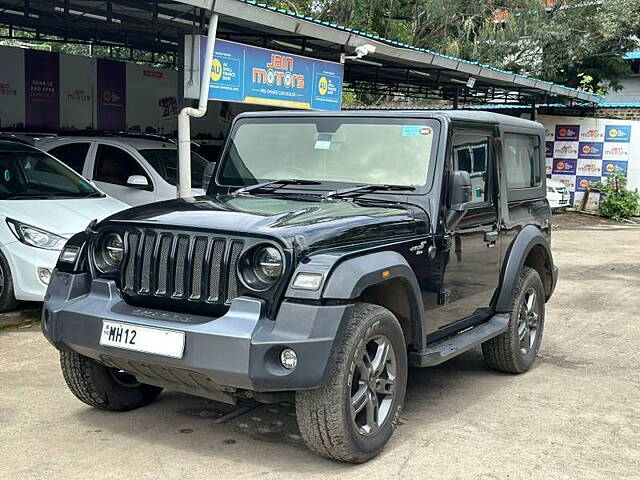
(44, 274)
(289, 359)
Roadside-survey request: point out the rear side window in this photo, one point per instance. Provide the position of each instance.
(72, 155)
(114, 165)
(522, 160)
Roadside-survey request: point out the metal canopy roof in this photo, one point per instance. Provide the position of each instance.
(395, 69)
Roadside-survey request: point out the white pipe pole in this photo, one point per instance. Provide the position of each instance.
(184, 130)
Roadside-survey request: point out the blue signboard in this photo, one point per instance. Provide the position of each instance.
(617, 133)
(242, 73)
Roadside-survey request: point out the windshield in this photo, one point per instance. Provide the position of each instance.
(164, 161)
(337, 151)
(33, 174)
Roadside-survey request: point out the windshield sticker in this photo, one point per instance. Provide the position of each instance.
(322, 145)
(85, 186)
(7, 175)
(415, 130)
(323, 141)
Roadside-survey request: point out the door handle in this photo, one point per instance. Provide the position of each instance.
(491, 238)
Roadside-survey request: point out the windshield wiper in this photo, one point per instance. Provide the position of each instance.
(273, 183)
(362, 189)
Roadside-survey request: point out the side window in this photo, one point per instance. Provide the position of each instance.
(114, 165)
(72, 155)
(471, 153)
(522, 160)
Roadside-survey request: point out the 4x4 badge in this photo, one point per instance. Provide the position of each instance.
(419, 249)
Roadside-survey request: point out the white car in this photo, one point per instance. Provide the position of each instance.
(557, 194)
(135, 170)
(42, 204)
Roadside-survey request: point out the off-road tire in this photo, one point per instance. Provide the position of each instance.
(95, 385)
(324, 414)
(503, 352)
(8, 300)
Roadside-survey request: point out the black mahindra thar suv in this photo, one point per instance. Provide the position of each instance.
(331, 252)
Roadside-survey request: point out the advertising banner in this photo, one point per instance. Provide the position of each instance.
(12, 88)
(42, 93)
(243, 73)
(588, 150)
(77, 98)
(111, 94)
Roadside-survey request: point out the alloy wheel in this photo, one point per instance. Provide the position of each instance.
(373, 385)
(528, 321)
(1, 280)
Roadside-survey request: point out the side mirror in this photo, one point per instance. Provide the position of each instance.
(459, 187)
(459, 197)
(207, 173)
(138, 181)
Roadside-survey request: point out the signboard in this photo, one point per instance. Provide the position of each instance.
(41, 80)
(581, 151)
(247, 74)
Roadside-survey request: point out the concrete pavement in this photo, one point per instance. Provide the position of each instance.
(575, 415)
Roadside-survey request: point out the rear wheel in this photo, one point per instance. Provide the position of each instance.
(7, 298)
(515, 350)
(103, 387)
(353, 416)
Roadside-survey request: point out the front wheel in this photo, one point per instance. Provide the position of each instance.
(353, 416)
(104, 387)
(515, 350)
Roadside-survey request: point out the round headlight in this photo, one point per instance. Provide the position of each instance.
(261, 267)
(109, 253)
(268, 264)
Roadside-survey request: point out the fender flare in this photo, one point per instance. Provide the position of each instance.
(351, 277)
(529, 237)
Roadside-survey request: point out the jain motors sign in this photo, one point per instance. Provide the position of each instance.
(248, 74)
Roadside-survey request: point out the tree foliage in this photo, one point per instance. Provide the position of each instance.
(556, 41)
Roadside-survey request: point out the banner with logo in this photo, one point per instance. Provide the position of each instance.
(12, 88)
(243, 73)
(111, 80)
(41, 80)
(580, 151)
(77, 92)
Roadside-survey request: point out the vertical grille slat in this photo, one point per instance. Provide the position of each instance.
(180, 266)
(163, 264)
(197, 265)
(148, 264)
(130, 270)
(232, 277)
(215, 262)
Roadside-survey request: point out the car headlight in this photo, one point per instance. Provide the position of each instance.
(35, 237)
(108, 253)
(261, 267)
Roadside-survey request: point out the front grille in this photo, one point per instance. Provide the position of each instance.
(182, 266)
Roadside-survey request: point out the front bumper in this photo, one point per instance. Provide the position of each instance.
(24, 262)
(239, 350)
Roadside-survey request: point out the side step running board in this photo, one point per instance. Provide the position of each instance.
(450, 347)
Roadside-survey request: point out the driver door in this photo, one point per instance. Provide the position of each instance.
(471, 267)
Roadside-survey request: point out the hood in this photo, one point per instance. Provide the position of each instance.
(311, 222)
(63, 217)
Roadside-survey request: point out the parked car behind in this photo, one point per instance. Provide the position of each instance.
(42, 204)
(557, 194)
(133, 170)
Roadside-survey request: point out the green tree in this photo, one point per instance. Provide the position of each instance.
(562, 43)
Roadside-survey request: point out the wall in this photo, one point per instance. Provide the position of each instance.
(581, 150)
(50, 91)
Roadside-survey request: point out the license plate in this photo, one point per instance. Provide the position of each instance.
(158, 341)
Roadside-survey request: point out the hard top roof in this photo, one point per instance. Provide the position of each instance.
(453, 115)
